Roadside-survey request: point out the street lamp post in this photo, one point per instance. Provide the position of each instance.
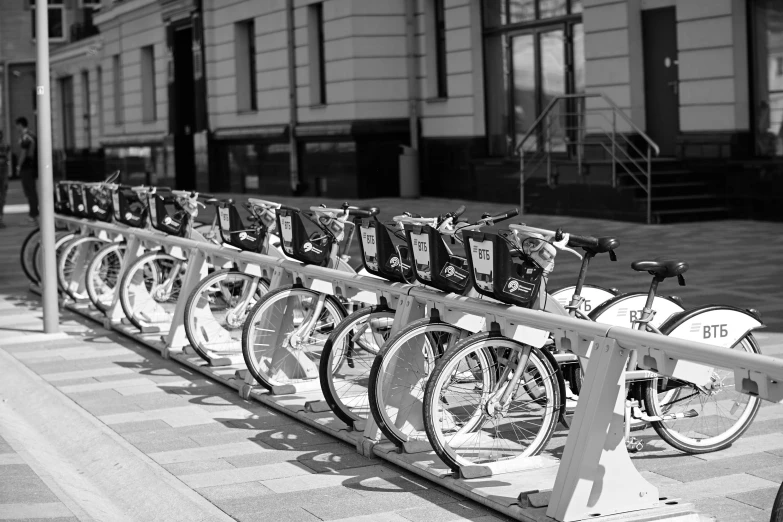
(46, 185)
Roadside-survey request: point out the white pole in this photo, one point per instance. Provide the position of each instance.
(46, 186)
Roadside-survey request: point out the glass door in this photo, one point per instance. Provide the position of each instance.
(768, 68)
(546, 63)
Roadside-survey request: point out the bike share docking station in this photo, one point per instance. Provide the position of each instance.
(595, 477)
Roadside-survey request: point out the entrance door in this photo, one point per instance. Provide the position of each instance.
(661, 78)
(184, 108)
(544, 62)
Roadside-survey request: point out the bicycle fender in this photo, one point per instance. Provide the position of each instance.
(560, 384)
(623, 309)
(594, 296)
(721, 326)
(718, 325)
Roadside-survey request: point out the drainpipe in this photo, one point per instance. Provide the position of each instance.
(292, 105)
(409, 160)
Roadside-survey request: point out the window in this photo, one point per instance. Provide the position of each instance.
(66, 98)
(245, 53)
(99, 83)
(504, 12)
(117, 89)
(148, 112)
(315, 43)
(437, 73)
(56, 19)
(86, 109)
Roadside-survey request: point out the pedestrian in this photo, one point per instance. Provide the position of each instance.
(4, 150)
(28, 166)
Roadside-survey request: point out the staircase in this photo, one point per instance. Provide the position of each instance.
(678, 194)
(590, 159)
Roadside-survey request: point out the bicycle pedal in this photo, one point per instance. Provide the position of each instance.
(634, 445)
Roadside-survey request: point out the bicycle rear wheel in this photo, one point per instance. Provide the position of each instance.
(464, 418)
(217, 309)
(698, 420)
(103, 275)
(275, 345)
(60, 239)
(347, 360)
(150, 289)
(27, 254)
(399, 375)
(72, 264)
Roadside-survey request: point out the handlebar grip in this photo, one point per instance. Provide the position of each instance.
(508, 214)
(289, 207)
(362, 212)
(205, 196)
(582, 241)
(457, 213)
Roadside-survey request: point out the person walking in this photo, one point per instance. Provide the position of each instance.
(4, 157)
(28, 166)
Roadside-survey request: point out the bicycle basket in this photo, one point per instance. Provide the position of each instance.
(379, 254)
(235, 233)
(76, 200)
(514, 281)
(311, 247)
(98, 205)
(128, 207)
(61, 201)
(174, 222)
(435, 265)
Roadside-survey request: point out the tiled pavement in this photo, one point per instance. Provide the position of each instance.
(256, 464)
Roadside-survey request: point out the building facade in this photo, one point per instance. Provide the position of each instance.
(321, 97)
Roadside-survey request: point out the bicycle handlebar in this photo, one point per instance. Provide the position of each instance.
(508, 214)
(263, 203)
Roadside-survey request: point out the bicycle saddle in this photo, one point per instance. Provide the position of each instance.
(605, 244)
(661, 267)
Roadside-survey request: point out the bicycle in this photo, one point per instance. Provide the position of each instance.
(217, 308)
(456, 425)
(150, 287)
(284, 333)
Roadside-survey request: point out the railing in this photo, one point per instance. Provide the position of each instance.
(595, 474)
(567, 126)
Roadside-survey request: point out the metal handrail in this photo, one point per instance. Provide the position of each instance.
(614, 150)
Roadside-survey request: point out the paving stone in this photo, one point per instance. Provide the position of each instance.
(198, 466)
(723, 486)
(208, 452)
(728, 510)
(379, 517)
(140, 426)
(5, 448)
(17, 471)
(56, 519)
(234, 491)
(278, 513)
(327, 461)
(158, 401)
(294, 436)
(449, 512)
(378, 503)
(251, 474)
(717, 468)
(746, 446)
(42, 510)
(119, 372)
(165, 445)
(263, 458)
(226, 437)
(24, 491)
(771, 474)
(759, 498)
(326, 480)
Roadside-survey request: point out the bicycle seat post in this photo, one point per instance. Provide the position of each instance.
(577, 297)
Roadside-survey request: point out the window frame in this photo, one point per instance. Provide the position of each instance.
(245, 46)
(149, 102)
(441, 55)
(316, 54)
(58, 5)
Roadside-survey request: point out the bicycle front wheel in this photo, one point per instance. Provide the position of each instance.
(400, 373)
(217, 309)
(347, 360)
(103, 275)
(150, 289)
(72, 264)
(702, 419)
(285, 333)
(469, 415)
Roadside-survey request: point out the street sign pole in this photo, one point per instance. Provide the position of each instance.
(46, 185)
